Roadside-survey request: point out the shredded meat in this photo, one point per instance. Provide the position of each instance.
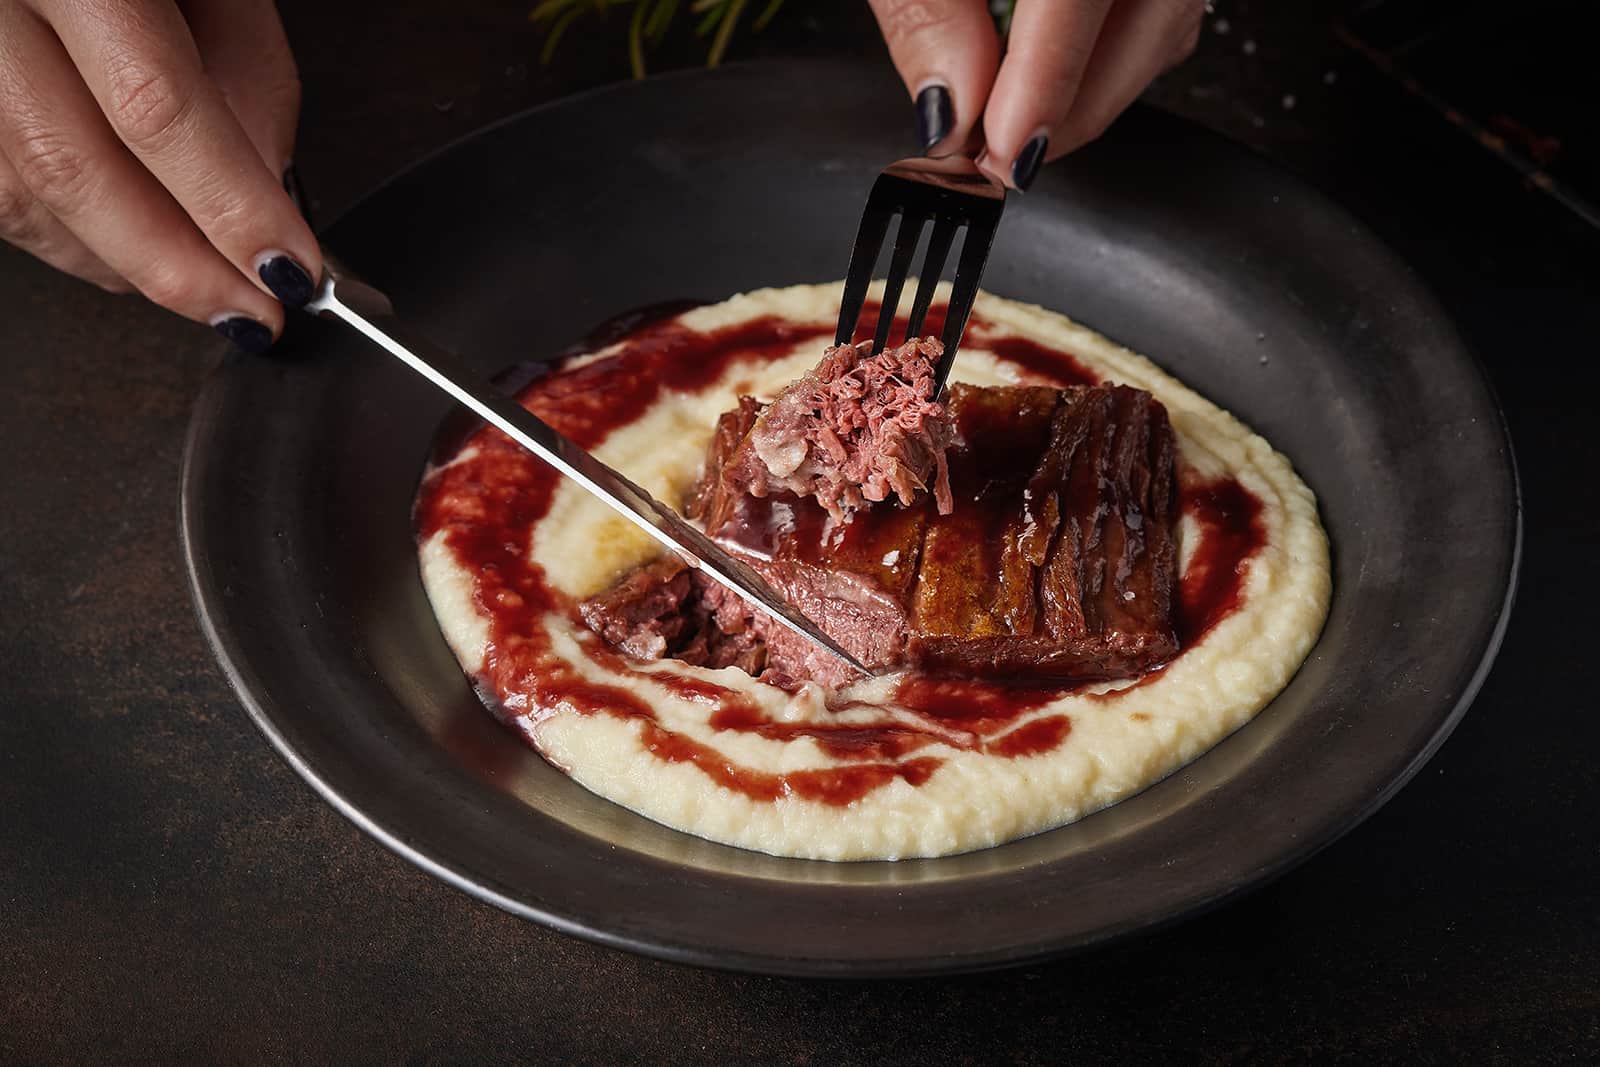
(857, 429)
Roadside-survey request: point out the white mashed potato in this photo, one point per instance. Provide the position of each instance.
(973, 799)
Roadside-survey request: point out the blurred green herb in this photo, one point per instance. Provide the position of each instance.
(1002, 11)
(650, 21)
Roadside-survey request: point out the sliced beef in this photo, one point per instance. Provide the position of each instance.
(649, 614)
(1057, 561)
(722, 485)
(857, 429)
(1064, 567)
(665, 610)
(785, 657)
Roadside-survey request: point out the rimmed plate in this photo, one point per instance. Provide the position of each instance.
(1254, 288)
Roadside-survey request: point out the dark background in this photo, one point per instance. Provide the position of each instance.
(170, 890)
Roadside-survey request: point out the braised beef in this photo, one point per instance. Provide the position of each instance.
(1057, 561)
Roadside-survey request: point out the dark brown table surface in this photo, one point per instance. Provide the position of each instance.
(169, 890)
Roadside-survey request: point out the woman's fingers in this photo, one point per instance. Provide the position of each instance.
(946, 52)
(58, 143)
(1140, 39)
(1073, 66)
(1046, 56)
(143, 67)
(132, 148)
(244, 50)
(28, 224)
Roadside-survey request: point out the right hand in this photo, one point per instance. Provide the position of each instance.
(143, 147)
(1068, 69)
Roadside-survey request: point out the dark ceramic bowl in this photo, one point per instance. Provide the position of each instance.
(1238, 278)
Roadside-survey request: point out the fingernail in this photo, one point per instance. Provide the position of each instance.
(935, 115)
(288, 280)
(245, 332)
(1026, 166)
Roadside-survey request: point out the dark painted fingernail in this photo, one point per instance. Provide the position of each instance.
(287, 279)
(935, 115)
(250, 335)
(1026, 166)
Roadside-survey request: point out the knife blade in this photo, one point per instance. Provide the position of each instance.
(344, 297)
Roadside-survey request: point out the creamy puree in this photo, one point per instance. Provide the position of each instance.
(927, 770)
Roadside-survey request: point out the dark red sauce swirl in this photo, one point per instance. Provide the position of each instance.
(487, 505)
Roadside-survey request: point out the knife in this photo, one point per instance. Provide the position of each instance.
(345, 297)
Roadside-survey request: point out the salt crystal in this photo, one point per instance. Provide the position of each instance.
(891, 557)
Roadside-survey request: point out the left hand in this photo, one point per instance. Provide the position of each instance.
(143, 145)
(1070, 68)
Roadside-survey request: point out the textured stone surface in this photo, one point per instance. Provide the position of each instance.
(170, 890)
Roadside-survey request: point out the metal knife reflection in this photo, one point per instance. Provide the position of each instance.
(346, 298)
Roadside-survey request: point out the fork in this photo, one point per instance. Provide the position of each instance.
(952, 193)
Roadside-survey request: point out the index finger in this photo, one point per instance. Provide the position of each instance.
(946, 52)
(141, 64)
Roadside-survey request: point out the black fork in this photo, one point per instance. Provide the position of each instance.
(952, 194)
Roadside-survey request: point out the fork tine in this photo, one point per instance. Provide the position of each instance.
(944, 232)
(905, 246)
(964, 290)
(863, 257)
(952, 194)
